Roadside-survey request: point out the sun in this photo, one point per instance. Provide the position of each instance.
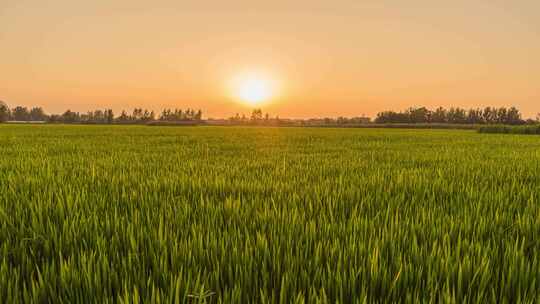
(254, 89)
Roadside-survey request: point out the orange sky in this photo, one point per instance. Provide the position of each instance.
(330, 58)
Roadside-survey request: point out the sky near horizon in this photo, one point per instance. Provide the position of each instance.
(325, 58)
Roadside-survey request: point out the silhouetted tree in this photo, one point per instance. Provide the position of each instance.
(20, 114)
(439, 115)
(474, 116)
(454, 115)
(71, 117)
(54, 118)
(392, 117)
(109, 116)
(37, 114)
(501, 115)
(256, 115)
(513, 117)
(123, 118)
(419, 115)
(4, 112)
(180, 115)
(235, 119)
(490, 115)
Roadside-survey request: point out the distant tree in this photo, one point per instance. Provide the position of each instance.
(513, 116)
(37, 114)
(392, 117)
(454, 115)
(384, 117)
(137, 114)
(256, 115)
(109, 116)
(179, 115)
(176, 115)
(490, 115)
(439, 115)
(54, 118)
(146, 116)
(419, 115)
(87, 118)
(235, 118)
(474, 116)
(501, 115)
(95, 117)
(4, 112)
(20, 114)
(359, 120)
(457, 116)
(124, 117)
(71, 117)
(198, 115)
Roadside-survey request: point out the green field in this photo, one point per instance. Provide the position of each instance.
(271, 215)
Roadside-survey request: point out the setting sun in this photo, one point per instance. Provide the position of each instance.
(253, 89)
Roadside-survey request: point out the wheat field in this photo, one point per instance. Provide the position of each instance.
(131, 214)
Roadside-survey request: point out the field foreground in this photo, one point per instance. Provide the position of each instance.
(239, 215)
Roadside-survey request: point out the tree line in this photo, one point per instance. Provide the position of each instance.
(106, 116)
(259, 118)
(256, 116)
(413, 115)
(455, 115)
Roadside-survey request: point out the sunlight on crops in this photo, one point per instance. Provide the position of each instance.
(279, 215)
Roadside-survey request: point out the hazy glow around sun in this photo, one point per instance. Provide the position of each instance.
(253, 89)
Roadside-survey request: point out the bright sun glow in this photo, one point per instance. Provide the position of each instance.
(254, 89)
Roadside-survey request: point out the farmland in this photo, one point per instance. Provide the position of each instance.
(272, 215)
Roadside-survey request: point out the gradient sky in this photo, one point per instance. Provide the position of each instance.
(330, 58)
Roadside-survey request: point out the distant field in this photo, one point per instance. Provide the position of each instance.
(497, 129)
(288, 215)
